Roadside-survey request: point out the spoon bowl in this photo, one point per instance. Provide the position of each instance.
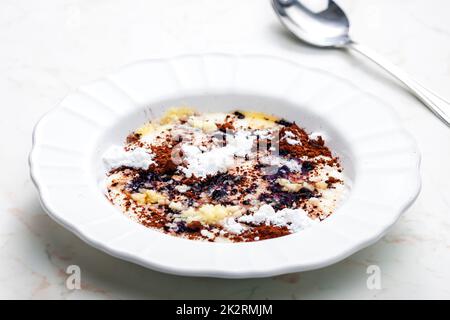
(326, 27)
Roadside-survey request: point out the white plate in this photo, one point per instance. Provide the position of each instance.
(379, 157)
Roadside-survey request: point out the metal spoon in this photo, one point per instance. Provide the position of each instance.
(330, 28)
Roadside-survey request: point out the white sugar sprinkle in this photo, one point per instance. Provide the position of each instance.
(117, 156)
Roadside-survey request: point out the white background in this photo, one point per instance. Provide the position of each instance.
(50, 47)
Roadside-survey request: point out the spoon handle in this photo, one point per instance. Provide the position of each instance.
(435, 103)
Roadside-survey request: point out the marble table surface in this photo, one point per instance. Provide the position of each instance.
(50, 47)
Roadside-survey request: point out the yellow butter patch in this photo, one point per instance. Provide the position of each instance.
(204, 125)
(259, 120)
(175, 114)
(146, 129)
(211, 214)
(149, 197)
(259, 115)
(289, 186)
